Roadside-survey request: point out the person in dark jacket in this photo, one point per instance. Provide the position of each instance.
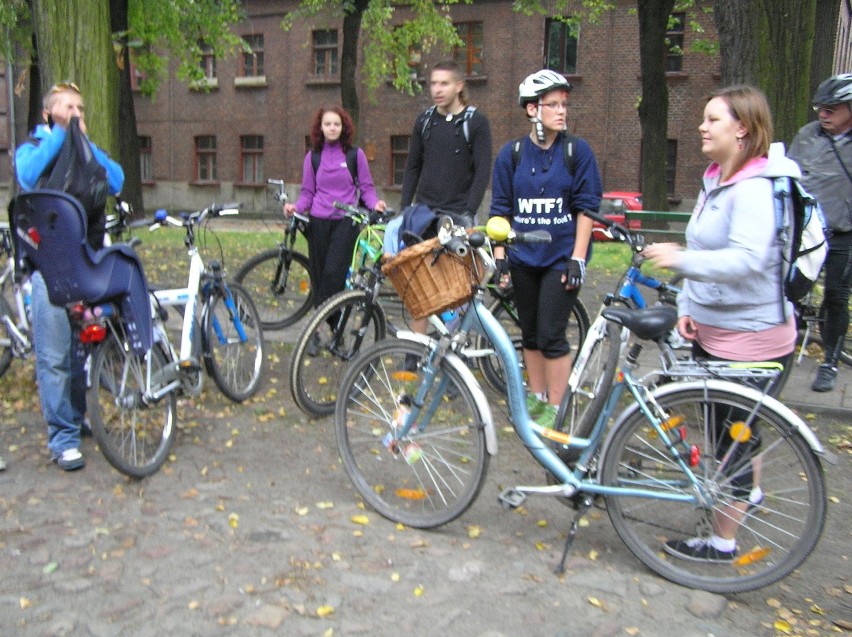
(823, 149)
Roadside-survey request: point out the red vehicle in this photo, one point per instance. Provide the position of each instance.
(613, 206)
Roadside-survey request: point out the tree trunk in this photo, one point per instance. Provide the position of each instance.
(349, 59)
(736, 23)
(825, 24)
(128, 138)
(785, 76)
(654, 108)
(75, 44)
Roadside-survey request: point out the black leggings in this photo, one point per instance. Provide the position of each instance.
(835, 305)
(544, 308)
(330, 246)
(739, 466)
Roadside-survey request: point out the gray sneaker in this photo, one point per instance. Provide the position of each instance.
(825, 377)
(70, 460)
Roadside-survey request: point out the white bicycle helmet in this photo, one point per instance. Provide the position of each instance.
(536, 85)
(539, 83)
(835, 90)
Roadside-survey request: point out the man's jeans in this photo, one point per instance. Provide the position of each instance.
(60, 363)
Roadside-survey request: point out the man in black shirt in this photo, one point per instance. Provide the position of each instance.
(449, 158)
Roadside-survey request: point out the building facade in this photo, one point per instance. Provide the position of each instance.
(250, 121)
(222, 139)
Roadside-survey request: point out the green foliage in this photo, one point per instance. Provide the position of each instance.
(15, 27)
(423, 26)
(179, 27)
(585, 10)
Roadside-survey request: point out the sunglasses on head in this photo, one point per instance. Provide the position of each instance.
(64, 86)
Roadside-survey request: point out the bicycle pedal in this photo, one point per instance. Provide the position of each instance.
(511, 498)
(189, 366)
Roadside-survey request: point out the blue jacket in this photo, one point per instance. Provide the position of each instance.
(33, 157)
(541, 194)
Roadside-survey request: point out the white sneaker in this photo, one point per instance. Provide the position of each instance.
(70, 460)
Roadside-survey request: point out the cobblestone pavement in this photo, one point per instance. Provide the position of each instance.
(248, 530)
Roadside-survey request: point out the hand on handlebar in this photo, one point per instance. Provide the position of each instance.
(289, 209)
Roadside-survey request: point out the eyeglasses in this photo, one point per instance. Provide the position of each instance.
(819, 109)
(555, 105)
(64, 86)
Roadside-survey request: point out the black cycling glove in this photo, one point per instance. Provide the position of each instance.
(575, 273)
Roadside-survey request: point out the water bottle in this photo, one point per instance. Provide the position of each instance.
(27, 291)
(451, 318)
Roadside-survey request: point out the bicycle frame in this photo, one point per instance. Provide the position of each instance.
(19, 328)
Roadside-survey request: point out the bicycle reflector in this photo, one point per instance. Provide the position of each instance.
(34, 236)
(93, 333)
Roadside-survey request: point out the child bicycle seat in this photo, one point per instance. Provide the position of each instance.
(50, 228)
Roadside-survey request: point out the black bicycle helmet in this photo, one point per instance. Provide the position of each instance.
(539, 83)
(835, 90)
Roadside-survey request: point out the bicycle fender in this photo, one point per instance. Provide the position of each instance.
(748, 392)
(470, 380)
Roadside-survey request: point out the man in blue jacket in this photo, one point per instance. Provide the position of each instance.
(59, 359)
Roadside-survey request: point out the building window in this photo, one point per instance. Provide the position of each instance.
(207, 61)
(205, 158)
(325, 53)
(560, 47)
(146, 166)
(399, 157)
(671, 165)
(674, 43)
(251, 159)
(469, 56)
(252, 62)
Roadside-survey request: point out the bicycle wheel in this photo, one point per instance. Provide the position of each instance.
(432, 475)
(778, 530)
(279, 283)
(504, 310)
(345, 324)
(232, 339)
(134, 437)
(6, 317)
(581, 406)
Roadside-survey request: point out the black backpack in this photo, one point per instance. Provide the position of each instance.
(568, 143)
(351, 164)
(77, 172)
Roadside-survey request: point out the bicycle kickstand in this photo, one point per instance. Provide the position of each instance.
(584, 505)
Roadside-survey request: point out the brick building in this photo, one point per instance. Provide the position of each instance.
(251, 124)
(223, 143)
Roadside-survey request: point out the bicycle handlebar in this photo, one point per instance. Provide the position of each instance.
(359, 213)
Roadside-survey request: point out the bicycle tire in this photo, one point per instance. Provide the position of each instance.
(580, 407)
(314, 379)
(504, 311)
(773, 538)
(236, 366)
(438, 470)
(135, 438)
(6, 340)
(281, 294)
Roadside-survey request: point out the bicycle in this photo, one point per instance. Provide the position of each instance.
(279, 279)
(16, 334)
(809, 320)
(226, 335)
(339, 328)
(416, 446)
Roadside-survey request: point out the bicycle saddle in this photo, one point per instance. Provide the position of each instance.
(648, 324)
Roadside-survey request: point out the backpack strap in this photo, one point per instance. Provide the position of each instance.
(781, 194)
(427, 118)
(351, 162)
(569, 143)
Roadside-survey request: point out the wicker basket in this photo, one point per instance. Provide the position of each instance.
(429, 286)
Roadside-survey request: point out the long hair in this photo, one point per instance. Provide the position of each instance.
(347, 136)
(748, 106)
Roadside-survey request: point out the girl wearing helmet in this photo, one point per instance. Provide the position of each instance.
(534, 189)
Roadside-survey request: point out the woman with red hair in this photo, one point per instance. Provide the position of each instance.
(331, 237)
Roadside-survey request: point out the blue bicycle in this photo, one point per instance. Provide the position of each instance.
(416, 441)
